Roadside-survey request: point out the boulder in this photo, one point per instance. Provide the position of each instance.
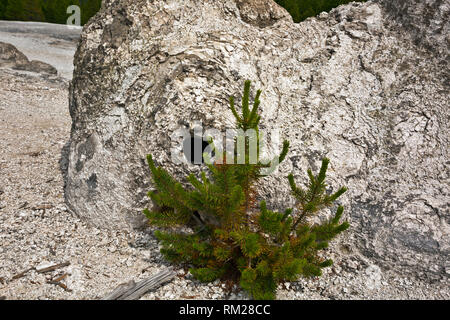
(13, 58)
(354, 85)
(10, 56)
(38, 67)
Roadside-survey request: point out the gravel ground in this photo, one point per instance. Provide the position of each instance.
(36, 230)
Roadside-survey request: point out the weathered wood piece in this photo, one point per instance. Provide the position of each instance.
(62, 285)
(120, 290)
(53, 268)
(133, 290)
(21, 274)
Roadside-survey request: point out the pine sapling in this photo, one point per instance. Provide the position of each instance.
(233, 237)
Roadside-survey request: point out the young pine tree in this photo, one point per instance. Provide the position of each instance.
(303, 9)
(233, 237)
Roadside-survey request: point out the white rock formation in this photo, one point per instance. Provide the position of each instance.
(365, 85)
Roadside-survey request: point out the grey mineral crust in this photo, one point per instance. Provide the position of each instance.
(365, 85)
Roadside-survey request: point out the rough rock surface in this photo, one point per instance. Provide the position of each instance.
(354, 85)
(427, 21)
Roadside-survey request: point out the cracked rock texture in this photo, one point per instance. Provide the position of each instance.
(365, 85)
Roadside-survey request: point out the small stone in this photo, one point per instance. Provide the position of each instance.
(23, 214)
(352, 264)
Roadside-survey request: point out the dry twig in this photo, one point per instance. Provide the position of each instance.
(53, 268)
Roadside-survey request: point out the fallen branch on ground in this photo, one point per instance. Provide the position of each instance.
(22, 274)
(133, 291)
(62, 285)
(54, 267)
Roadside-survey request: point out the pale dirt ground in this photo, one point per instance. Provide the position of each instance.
(36, 228)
